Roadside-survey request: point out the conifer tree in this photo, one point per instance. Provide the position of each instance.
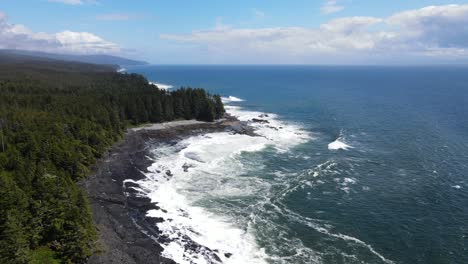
(55, 122)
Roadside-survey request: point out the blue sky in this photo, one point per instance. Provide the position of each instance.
(243, 32)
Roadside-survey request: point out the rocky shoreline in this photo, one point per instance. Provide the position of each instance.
(126, 235)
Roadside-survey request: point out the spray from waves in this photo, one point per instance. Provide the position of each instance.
(231, 99)
(162, 86)
(282, 135)
(182, 181)
(339, 143)
(214, 210)
(187, 180)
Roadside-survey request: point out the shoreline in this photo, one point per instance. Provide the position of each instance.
(126, 235)
(172, 124)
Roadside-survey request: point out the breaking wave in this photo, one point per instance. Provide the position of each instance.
(162, 86)
(187, 177)
(215, 205)
(231, 99)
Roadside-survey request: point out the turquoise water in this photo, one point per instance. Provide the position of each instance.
(393, 188)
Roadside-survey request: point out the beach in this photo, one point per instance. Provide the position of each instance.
(126, 234)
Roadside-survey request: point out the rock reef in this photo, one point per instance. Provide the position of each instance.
(126, 235)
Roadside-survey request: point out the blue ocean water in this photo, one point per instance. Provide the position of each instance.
(391, 188)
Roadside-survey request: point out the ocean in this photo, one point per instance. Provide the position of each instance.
(353, 164)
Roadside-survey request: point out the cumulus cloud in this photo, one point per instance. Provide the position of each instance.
(434, 26)
(20, 37)
(331, 6)
(435, 31)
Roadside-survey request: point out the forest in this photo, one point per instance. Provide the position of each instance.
(56, 120)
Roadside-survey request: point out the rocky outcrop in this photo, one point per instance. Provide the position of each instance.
(126, 235)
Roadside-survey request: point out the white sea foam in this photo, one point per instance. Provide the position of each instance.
(328, 168)
(186, 176)
(121, 70)
(347, 181)
(338, 144)
(355, 240)
(198, 165)
(162, 86)
(231, 99)
(281, 135)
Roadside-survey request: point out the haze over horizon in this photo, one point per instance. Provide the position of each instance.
(244, 32)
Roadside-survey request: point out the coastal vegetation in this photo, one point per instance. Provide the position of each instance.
(56, 120)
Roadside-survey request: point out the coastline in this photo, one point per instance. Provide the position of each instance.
(126, 235)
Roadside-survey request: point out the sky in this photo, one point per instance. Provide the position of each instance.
(243, 31)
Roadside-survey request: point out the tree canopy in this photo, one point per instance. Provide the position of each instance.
(56, 120)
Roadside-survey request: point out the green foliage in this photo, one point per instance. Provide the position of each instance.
(55, 122)
(44, 255)
(13, 204)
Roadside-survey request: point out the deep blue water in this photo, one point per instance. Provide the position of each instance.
(399, 194)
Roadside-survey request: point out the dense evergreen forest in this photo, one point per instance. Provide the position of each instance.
(56, 119)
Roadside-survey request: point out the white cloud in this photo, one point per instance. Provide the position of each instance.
(20, 37)
(431, 32)
(84, 42)
(350, 25)
(434, 26)
(331, 6)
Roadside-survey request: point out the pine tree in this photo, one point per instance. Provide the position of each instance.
(219, 107)
(53, 127)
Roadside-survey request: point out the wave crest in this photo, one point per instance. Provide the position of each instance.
(339, 144)
(231, 99)
(187, 179)
(162, 86)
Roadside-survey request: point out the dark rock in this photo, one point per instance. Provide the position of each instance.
(256, 120)
(154, 220)
(141, 203)
(132, 191)
(186, 167)
(120, 240)
(122, 219)
(227, 255)
(164, 239)
(131, 184)
(216, 257)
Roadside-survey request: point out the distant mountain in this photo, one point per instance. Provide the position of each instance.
(28, 63)
(94, 59)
